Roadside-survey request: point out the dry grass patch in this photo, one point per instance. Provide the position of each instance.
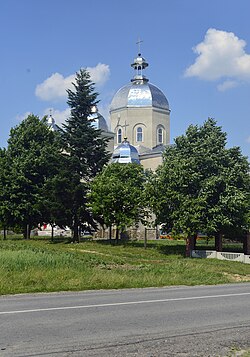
(237, 278)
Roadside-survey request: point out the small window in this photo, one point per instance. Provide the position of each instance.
(160, 136)
(119, 136)
(139, 134)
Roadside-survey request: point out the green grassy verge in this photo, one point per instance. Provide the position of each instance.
(42, 266)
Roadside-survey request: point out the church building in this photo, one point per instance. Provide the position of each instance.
(139, 118)
(140, 115)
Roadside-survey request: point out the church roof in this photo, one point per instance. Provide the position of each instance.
(139, 93)
(52, 124)
(98, 120)
(125, 153)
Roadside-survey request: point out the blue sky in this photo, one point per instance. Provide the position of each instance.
(198, 53)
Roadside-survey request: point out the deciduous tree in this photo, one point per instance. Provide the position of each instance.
(32, 155)
(202, 185)
(117, 196)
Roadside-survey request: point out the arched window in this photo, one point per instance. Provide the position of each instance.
(160, 136)
(139, 134)
(119, 136)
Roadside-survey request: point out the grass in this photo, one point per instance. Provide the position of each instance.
(43, 266)
(238, 352)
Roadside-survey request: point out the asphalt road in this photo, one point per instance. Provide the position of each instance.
(173, 321)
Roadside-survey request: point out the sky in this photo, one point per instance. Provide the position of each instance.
(198, 53)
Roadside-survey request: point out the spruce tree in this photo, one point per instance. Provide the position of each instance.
(85, 148)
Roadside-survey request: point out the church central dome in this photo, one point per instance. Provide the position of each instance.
(140, 111)
(139, 94)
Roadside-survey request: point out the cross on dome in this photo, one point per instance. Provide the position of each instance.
(139, 46)
(139, 65)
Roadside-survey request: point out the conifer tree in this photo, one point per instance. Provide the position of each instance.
(85, 149)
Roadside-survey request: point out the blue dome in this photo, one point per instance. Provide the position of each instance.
(98, 120)
(125, 153)
(139, 94)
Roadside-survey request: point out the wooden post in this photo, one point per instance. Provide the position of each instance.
(145, 239)
(246, 244)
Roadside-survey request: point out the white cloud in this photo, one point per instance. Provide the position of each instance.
(99, 74)
(59, 115)
(248, 140)
(227, 85)
(221, 55)
(54, 87)
(21, 117)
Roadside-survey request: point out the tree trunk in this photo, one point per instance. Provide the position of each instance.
(195, 241)
(145, 238)
(117, 235)
(27, 231)
(79, 234)
(218, 242)
(157, 233)
(52, 232)
(189, 245)
(4, 233)
(246, 244)
(75, 232)
(110, 233)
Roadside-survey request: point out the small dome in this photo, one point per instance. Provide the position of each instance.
(52, 124)
(125, 153)
(139, 94)
(98, 121)
(51, 120)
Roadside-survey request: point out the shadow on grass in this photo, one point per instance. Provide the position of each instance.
(234, 248)
(166, 248)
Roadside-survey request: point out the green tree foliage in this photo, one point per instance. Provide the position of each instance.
(117, 195)
(32, 157)
(57, 194)
(5, 209)
(201, 186)
(84, 148)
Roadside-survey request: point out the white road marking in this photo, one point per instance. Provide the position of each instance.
(122, 303)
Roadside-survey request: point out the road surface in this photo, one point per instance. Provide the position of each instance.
(171, 321)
